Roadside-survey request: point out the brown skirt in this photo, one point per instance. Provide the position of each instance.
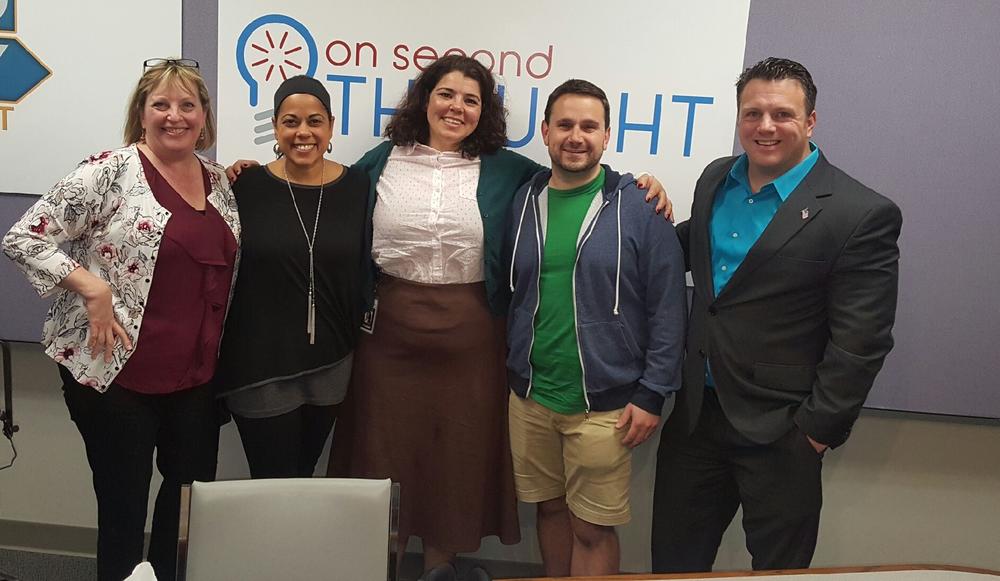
(427, 408)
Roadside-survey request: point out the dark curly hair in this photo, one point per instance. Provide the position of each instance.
(409, 124)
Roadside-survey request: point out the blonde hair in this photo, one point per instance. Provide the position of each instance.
(169, 74)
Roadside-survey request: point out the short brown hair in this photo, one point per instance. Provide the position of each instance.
(779, 69)
(579, 87)
(171, 74)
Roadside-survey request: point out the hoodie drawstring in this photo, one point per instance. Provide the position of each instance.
(517, 238)
(618, 267)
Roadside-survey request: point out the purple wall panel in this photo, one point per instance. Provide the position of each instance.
(909, 103)
(21, 311)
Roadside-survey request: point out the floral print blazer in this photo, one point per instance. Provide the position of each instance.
(106, 213)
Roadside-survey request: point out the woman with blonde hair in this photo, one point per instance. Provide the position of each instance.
(139, 247)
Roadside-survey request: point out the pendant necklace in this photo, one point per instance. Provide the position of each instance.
(310, 242)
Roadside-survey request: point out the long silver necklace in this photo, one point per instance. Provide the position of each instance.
(310, 242)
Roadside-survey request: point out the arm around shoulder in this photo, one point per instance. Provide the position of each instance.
(524, 167)
(374, 158)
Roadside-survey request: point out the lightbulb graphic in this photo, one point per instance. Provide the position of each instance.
(273, 48)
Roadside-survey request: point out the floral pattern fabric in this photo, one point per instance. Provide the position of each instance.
(106, 216)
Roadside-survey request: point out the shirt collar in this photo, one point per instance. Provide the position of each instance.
(787, 182)
(417, 148)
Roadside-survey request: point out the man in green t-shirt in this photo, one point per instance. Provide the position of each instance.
(596, 331)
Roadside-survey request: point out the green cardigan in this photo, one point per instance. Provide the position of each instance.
(500, 175)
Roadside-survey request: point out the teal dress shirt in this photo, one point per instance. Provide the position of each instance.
(739, 217)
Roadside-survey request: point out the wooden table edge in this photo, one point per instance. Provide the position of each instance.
(816, 571)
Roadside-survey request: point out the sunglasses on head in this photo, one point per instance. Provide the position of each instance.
(150, 63)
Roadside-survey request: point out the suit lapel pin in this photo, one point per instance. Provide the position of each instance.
(805, 213)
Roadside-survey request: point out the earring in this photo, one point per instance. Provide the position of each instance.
(201, 139)
(277, 151)
(142, 136)
(329, 147)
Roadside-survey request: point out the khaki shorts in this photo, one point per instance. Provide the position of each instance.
(580, 456)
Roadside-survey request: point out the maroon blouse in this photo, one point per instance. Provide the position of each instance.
(178, 344)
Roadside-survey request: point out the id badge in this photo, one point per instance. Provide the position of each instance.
(368, 322)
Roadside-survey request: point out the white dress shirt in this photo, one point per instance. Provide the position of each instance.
(427, 224)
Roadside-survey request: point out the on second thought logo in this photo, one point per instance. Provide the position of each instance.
(273, 48)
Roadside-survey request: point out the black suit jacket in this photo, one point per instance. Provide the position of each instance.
(804, 324)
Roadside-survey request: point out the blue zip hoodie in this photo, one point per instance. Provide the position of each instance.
(629, 297)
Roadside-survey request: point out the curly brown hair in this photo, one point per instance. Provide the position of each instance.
(409, 124)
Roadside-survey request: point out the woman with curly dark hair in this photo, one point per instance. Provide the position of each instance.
(411, 122)
(427, 402)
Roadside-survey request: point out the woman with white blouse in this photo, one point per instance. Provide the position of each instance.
(426, 404)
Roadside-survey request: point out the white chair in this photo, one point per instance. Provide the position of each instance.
(288, 528)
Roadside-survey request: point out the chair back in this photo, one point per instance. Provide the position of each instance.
(288, 528)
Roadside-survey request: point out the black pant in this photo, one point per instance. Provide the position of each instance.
(120, 430)
(286, 446)
(703, 478)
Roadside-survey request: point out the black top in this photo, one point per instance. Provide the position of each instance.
(265, 335)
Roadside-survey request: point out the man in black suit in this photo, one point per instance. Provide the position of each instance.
(795, 269)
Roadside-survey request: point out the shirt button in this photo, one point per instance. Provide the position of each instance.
(735, 235)
(724, 268)
(749, 200)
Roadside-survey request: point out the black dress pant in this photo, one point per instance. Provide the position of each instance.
(703, 478)
(121, 429)
(288, 445)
